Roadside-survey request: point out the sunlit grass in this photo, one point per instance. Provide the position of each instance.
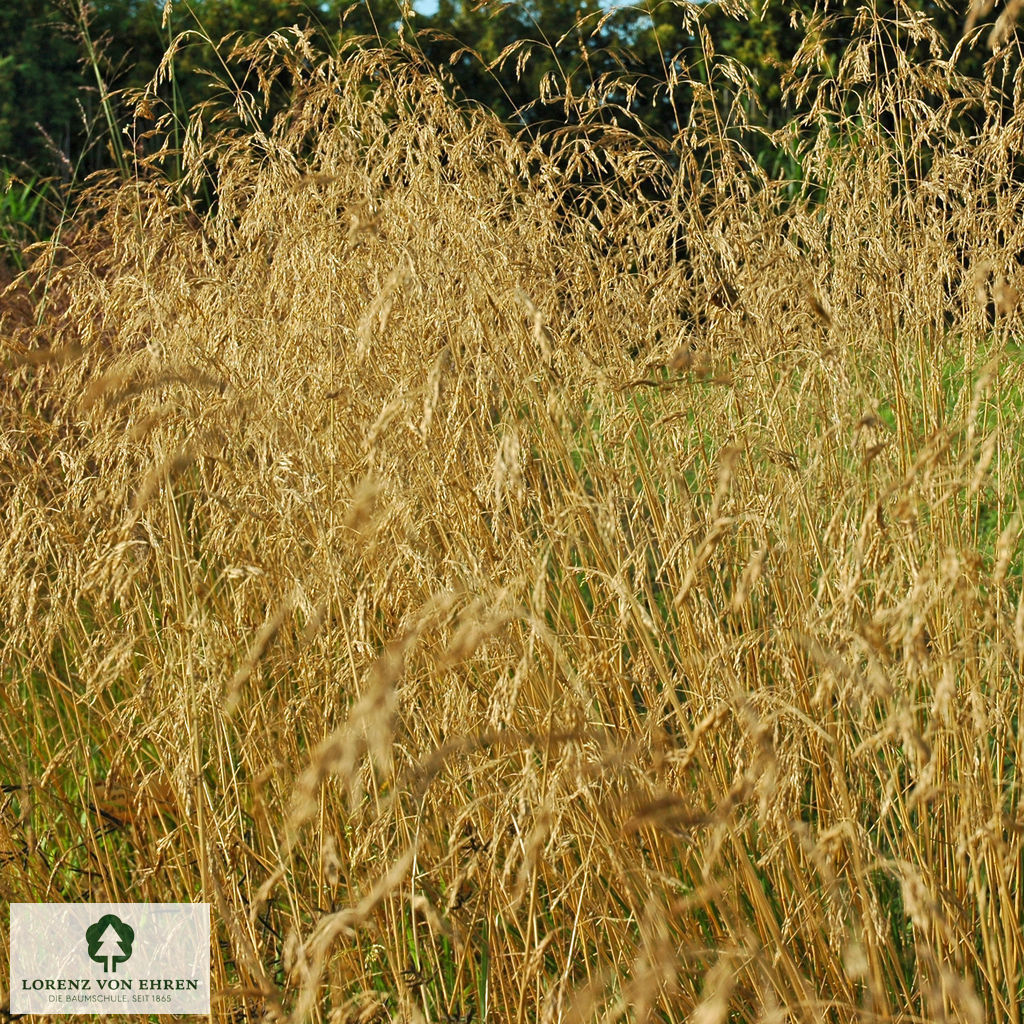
(493, 616)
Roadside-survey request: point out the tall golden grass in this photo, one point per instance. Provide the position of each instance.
(497, 618)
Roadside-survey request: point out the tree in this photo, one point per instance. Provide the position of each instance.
(520, 59)
(52, 109)
(39, 84)
(109, 949)
(109, 941)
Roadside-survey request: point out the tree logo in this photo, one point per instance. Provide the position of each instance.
(110, 942)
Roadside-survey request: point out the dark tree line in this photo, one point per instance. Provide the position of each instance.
(55, 109)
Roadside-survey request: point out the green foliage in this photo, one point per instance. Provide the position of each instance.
(22, 215)
(39, 85)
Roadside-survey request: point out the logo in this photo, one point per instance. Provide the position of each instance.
(136, 959)
(110, 942)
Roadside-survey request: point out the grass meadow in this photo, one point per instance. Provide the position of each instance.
(533, 581)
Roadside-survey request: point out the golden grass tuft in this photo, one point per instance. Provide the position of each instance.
(498, 619)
